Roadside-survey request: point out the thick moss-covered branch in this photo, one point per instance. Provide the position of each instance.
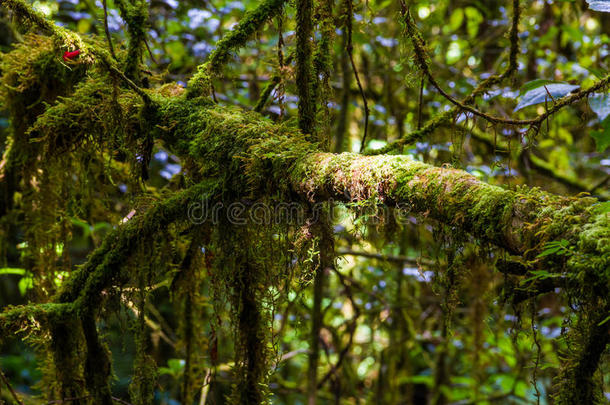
(103, 269)
(451, 196)
(252, 155)
(24, 317)
(136, 16)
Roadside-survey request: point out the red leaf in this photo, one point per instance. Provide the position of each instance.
(71, 55)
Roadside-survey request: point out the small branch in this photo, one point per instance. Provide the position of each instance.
(420, 102)
(350, 48)
(389, 258)
(11, 390)
(540, 165)
(64, 400)
(120, 401)
(200, 83)
(150, 52)
(275, 80)
(135, 14)
(112, 68)
(422, 61)
(514, 41)
(351, 327)
(107, 30)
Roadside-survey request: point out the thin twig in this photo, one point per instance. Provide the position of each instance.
(349, 49)
(120, 401)
(422, 61)
(420, 102)
(107, 30)
(351, 327)
(130, 83)
(444, 117)
(70, 399)
(8, 385)
(150, 52)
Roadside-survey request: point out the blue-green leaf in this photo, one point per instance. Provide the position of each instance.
(540, 94)
(600, 104)
(599, 5)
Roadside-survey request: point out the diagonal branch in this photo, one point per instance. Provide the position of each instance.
(200, 83)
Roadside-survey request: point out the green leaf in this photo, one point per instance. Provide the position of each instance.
(176, 365)
(85, 228)
(604, 321)
(573, 33)
(550, 251)
(599, 5)
(602, 138)
(456, 20)
(12, 270)
(25, 284)
(535, 84)
(559, 247)
(474, 18)
(541, 94)
(599, 73)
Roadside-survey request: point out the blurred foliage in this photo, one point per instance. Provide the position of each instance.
(391, 320)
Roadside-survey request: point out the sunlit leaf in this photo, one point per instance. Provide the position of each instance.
(25, 284)
(12, 270)
(602, 137)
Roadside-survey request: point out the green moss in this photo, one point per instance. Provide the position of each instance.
(428, 129)
(234, 156)
(201, 82)
(135, 15)
(304, 69)
(31, 318)
(579, 380)
(63, 38)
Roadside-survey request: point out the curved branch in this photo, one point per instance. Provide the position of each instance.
(199, 84)
(422, 61)
(102, 269)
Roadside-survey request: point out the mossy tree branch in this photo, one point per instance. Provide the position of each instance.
(304, 72)
(235, 154)
(135, 14)
(252, 22)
